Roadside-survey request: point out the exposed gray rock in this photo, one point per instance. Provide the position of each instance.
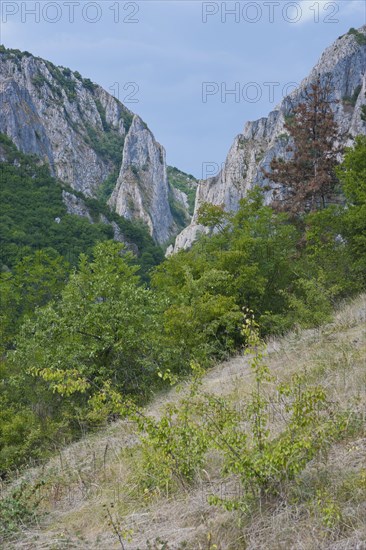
(79, 130)
(186, 238)
(266, 138)
(76, 205)
(142, 188)
(180, 197)
(50, 112)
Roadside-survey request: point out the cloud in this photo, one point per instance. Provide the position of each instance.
(323, 11)
(356, 7)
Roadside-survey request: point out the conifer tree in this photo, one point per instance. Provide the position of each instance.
(308, 178)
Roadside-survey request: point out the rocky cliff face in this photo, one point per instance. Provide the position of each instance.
(266, 138)
(86, 136)
(61, 117)
(142, 189)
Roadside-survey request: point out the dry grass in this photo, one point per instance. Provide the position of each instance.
(100, 470)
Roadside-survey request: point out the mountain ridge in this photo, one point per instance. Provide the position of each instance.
(80, 130)
(261, 139)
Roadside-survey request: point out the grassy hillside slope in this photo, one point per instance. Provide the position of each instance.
(90, 498)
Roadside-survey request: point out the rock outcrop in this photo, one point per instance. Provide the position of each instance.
(263, 139)
(86, 136)
(77, 207)
(142, 188)
(66, 120)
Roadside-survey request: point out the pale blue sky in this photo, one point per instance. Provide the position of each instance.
(168, 49)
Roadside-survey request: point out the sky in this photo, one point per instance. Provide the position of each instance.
(194, 71)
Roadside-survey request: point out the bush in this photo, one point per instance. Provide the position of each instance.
(359, 36)
(175, 446)
(18, 509)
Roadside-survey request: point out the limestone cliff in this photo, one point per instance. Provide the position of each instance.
(87, 137)
(142, 189)
(263, 139)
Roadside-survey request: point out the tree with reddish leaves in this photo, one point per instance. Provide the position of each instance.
(307, 180)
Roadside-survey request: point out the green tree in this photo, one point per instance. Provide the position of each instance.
(248, 263)
(212, 216)
(36, 279)
(77, 357)
(102, 332)
(352, 174)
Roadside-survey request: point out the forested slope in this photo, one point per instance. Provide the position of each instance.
(111, 486)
